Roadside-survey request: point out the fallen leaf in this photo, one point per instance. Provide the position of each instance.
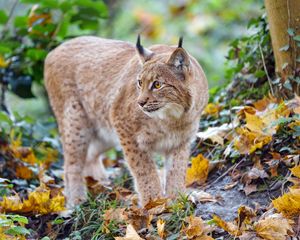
(24, 172)
(198, 171)
(274, 227)
(296, 171)
(196, 229)
(294, 104)
(131, 234)
(289, 203)
(39, 201)
(216, 134)
(115, 214)
(229, 227)
(156, 206)
(250, 188)
(247, 142)
(201, 196)
(161, 228)
(212, 109)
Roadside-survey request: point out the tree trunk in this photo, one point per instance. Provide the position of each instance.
(284, 22)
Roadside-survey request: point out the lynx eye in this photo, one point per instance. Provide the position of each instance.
(139, 83)
(156, 85)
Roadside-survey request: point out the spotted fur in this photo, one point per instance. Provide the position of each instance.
(100, 91)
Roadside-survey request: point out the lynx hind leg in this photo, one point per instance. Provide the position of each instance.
(94, 162)
(76, 136)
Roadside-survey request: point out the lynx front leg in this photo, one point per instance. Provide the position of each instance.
(76, 136)
(175, 171)
(143, 169)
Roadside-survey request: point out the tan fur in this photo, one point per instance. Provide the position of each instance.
(93, 90)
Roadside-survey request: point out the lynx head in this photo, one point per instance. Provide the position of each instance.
(163, 82)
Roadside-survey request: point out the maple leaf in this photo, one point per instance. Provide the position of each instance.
(212, 109)
(198, 172)
(39, 201)
(216, 134)
(296, 171)
(229, 227)
(24, 172)
(247, 141)
(274, 227)
(196, 229)
(131, 234)
(288, 203)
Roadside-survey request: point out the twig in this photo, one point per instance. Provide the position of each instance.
(225, 173)
(266, 70)
(9, 17)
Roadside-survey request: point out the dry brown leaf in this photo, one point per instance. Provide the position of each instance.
(156, 206)
(115, 214)
(245, 215)
(138, 218)
(198, 172)
(131, 234)
(274, 227)
(250, 188)
(161, 228)
(294, 104)
(196, 228)
(216, 134)
(201, 196)
(24, 172)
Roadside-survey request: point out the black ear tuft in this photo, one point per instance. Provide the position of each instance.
(139, 46)
(180, 42)
(144, 53)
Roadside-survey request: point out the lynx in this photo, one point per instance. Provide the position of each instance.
(106, 93)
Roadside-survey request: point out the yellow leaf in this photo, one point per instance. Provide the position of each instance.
(161, 228)
(39, 201)
(296, 171)
(247, 141)
(131, 234)
(273, 228)
(212, 109)
(289, 203)
(24, 172)
(227, 226)
(195, 227)
(3, 63)
(198, 172)
(254, 123)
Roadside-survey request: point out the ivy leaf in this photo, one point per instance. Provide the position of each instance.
(17, 230)
(297, 38)
(3, 17)
(291, 32)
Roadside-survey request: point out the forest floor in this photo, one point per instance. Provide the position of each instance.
(243, 184)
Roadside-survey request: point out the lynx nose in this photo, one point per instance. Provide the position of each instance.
(142, 102)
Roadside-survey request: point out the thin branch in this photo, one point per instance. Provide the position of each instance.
(11, 12)
(266, 70)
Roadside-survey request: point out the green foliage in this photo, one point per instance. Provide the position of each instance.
(25, 45)
(13, 225)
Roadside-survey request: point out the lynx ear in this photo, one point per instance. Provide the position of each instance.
(144, 53)
(179, 57)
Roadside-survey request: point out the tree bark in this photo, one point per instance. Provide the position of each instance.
(284, 15)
